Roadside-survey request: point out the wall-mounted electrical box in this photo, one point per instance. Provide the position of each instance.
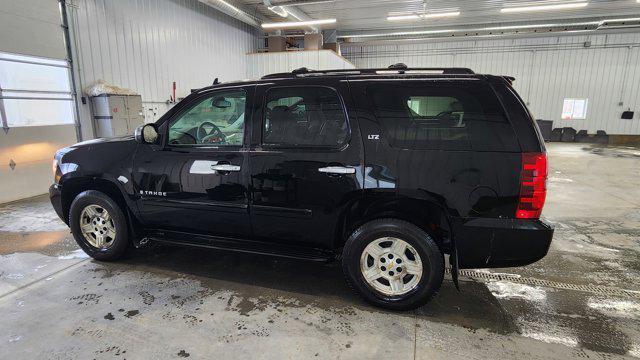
(116, 115)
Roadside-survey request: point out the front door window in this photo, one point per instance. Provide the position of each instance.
(216, 120)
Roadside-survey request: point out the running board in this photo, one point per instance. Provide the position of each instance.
(241, 245)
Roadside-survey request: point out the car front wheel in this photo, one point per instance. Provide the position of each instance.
(98, 225)
(393, 264)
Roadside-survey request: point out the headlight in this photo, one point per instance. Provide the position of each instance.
(54, 169)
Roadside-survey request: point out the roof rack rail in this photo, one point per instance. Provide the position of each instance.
(302, 70)
(399, 68)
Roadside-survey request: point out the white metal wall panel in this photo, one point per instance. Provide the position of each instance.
(261, 64)
(547, 70)
(145, 45)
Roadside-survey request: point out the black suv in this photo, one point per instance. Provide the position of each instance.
(384, 169)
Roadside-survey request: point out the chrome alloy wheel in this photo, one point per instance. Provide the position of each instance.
(97, 227)
(391, 266)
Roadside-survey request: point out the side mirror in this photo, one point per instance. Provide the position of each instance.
(146, 134)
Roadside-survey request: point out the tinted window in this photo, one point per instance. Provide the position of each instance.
(216, 120)
(439, 115)
(304, 116)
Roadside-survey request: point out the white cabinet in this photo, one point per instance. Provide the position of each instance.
(116, 115)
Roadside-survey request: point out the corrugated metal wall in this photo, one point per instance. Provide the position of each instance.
(145, 45)
(547, 70)
(261, 64)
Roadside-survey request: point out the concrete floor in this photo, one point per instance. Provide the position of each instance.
(175, 302)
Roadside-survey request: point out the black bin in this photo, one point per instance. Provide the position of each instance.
(545, 128)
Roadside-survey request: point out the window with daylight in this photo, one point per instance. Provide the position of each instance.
(573, 109)
(34, 91)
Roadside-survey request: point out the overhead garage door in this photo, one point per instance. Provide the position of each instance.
(36, 104)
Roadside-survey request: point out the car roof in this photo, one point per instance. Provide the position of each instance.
(396, 71)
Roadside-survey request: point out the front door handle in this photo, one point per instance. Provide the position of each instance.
(337, 170)
(225, 167)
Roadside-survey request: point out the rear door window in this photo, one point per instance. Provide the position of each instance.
(310, 116)
(464, 115)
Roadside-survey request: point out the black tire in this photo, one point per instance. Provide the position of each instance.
(121, 240)
(430, 255)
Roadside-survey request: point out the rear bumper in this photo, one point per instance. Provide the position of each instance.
(55, 195)
(490, 243)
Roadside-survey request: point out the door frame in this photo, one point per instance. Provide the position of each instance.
(162, 146)
(186, 105)
(342, 90)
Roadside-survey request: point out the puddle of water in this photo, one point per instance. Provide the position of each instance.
(616, 307)
(506, 289)
(49, 243)
(76, 254)
(553, 339)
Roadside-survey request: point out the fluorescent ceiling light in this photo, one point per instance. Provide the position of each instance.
(544, 7)
(423, 16)
(293, 24)
(439, 15)
(403, 17)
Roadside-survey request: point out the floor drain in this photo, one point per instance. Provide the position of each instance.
(593, 289)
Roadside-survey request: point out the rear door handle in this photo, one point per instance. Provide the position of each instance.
(225, 167)
(337, 170)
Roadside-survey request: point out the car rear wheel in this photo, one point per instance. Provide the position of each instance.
(98, 225)
(393, 264)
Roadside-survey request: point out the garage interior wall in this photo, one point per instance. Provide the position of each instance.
(146, 45)
(603, 68)
(31, 28)
(260, 64)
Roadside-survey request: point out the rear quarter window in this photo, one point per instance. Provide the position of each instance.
(453, 115)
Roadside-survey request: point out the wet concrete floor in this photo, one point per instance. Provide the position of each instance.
(171, 302)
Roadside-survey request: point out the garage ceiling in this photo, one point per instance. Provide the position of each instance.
(366, 15)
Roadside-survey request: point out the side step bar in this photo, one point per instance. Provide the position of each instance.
(245, 246)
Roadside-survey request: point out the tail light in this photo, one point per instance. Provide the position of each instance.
(533, 185)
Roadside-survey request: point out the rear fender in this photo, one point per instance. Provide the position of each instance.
(422, 208)
(424, 212)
